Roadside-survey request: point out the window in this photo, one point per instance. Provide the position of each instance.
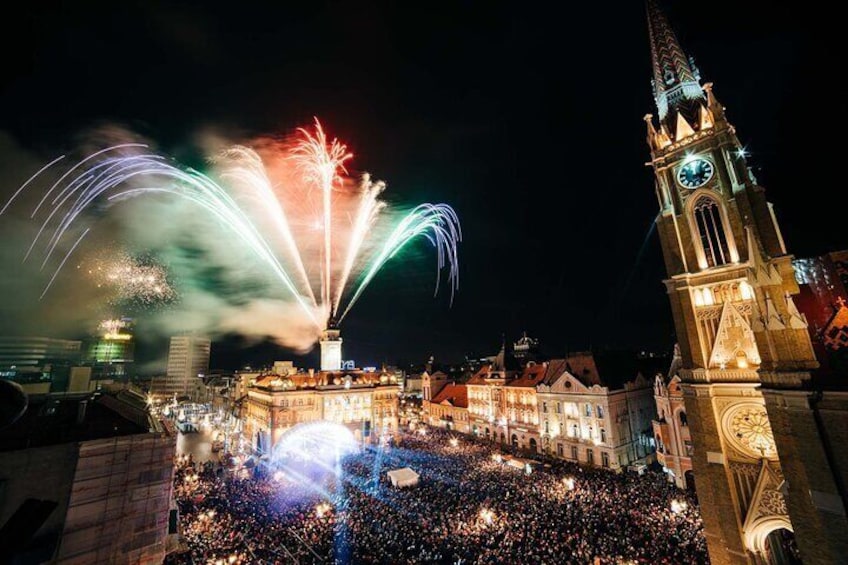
(573, 430)
(560, 428)
(514, 440)
(545, 407)
(605, 459)
(547, 427)
(683, 420)
(559, 450)
(603, 435)
(590, 457)
(588, 410)
(574, 452)
(711, 231)
(600, 410)
(659, 445)
(559, 407)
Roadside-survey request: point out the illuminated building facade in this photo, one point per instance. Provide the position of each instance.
(521, 408)
(588, 420)
(764, 461)
(562, 407)
(448, 409)
(364, 402)
(672, 436)
(486, 399)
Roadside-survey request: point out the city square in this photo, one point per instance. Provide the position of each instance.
(469, 506)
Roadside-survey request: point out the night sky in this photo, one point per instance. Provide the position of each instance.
(527, 119)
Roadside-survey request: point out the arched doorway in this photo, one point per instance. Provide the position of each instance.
(533, 447)
(772, 540)
(781, 549)
(514, 440)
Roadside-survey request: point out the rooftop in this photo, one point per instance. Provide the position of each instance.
(324, 380)
(456, 394)
(54, 419)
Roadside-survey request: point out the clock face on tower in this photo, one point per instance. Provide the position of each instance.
(695, 173)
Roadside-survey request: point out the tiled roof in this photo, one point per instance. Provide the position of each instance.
(479, 377)
(530, 376)
(457, 395)
(582, 365)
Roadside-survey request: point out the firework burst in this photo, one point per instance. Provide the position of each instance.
(321, 233)
(130, 280)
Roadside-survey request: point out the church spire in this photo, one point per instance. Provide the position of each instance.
(676, 79)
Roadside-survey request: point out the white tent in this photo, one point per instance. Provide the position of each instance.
(403, 477)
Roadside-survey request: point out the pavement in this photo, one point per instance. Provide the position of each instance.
(198, 444)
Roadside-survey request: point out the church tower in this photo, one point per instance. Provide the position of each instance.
(331, 347)
(761, 464)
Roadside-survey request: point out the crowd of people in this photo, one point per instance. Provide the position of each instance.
(469, 507)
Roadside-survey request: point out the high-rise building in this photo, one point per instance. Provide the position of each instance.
(39, 364)
(111, 352)
(765, 435)
(188, 362)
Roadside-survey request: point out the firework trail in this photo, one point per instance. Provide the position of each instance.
(347, 215)
(321, 163)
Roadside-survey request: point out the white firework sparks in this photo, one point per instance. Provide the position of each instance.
(131, 279)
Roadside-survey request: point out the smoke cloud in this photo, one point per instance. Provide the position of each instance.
(221, 288)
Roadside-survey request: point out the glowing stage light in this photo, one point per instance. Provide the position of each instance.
(678, 506)
(322, 509)
(487, 516)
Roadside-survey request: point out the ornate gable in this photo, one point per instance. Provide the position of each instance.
(735, 344)
(566, 383)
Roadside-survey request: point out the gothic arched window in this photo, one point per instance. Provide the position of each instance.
(711, 231)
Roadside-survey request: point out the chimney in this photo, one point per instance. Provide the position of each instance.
(81, 407)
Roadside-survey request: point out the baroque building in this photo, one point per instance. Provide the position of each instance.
(563, 408)
(587, 418)
(671, 428)
(448, 409)
(763, 435)
(364, 402)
